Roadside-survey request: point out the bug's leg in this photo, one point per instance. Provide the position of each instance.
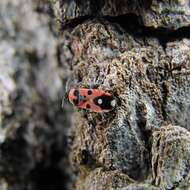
(102, 74)
(92, 82)
(92, 124)
(65, 93)
(93, 86)
(63, 101)
(104, 118)
(72, 82)
(69, 83)
(106, 71)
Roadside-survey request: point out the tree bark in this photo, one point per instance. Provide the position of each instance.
(118, 47)
(137, 50)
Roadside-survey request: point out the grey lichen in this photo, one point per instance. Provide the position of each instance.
(7, 84)
(170, 14)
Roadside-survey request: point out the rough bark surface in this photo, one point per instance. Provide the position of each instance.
(144, 143)
(152, 85)
(169, 14)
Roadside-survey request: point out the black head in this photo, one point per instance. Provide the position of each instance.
(105, 102)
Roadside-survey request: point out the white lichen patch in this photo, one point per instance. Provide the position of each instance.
(7, 84)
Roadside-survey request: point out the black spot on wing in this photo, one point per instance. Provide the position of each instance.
(87, 106)
(76, 93)
(76, 101)
(106, 102)
(79, 98)
(89, 92)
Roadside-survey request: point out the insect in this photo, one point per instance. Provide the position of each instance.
(96, 100)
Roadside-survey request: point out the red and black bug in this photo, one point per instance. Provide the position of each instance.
(96, 100)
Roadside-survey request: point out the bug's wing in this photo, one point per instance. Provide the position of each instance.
(89, 105)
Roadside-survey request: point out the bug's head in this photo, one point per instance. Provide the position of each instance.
(74, 96)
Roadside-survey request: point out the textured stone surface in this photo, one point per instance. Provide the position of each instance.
(177, 104)
(101, 179)
(171, 157)
(170, 14)
(151, 84)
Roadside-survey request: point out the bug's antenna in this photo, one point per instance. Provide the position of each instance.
(64, 99)
(67, 84)
(62, 102)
